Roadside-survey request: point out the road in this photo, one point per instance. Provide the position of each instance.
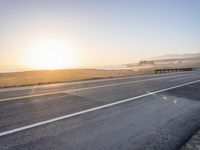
(150, 112)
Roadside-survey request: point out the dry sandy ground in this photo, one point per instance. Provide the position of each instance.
(59, 76)
(67, 75)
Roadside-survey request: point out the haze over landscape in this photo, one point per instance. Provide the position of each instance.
(100, 74)
(63, 34)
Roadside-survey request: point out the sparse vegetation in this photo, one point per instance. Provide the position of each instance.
(27, 78)
(59, 76)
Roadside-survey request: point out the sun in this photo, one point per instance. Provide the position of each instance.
(50, 55)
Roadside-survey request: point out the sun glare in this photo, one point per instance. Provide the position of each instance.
(50, 55)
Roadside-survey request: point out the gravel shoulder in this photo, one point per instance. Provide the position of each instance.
(193, 143)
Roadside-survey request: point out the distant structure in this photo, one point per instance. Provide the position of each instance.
(144, 62)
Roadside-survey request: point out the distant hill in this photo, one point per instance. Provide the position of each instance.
(177, 56)
(192, 59)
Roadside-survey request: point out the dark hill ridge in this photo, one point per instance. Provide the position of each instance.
(183, 60)
(177, 56)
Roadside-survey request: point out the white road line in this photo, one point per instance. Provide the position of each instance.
(90, 110)
(88, 88)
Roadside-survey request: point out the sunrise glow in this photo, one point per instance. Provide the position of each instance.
(50, 54)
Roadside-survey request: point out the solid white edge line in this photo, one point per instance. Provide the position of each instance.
(90, 110)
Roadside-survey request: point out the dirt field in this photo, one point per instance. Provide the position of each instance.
(59, 76)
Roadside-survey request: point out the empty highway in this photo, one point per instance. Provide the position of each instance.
(153, 112)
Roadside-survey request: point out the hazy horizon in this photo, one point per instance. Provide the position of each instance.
(58, 34)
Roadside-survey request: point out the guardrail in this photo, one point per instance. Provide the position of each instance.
(173, 70)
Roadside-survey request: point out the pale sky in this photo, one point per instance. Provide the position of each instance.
(96, 32)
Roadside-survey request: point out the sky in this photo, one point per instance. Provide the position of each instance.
(94, 32)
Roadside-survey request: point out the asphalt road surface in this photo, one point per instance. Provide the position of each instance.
(153, 112)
